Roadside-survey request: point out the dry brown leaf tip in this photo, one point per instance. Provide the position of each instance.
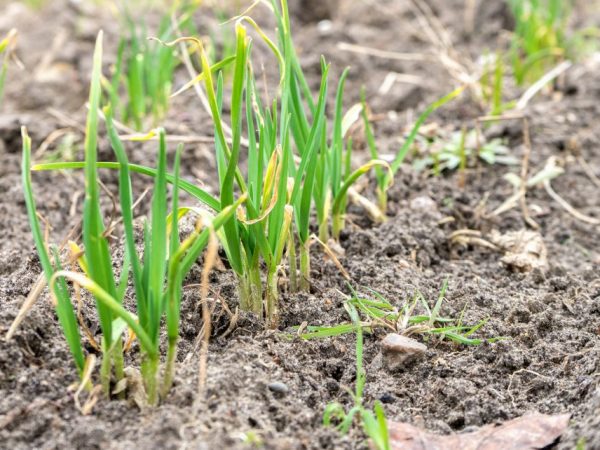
(528, 432)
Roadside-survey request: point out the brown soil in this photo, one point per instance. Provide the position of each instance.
(550, 362)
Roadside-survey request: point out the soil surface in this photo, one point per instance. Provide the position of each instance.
(262, 385)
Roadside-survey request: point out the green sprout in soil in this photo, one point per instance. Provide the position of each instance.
(373, 422)
(492, 85)
(384, 179)
(379, 313)
(541, 39)
(461, 150)
(7, 49)
(157, 277)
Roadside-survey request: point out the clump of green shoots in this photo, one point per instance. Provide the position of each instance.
(373, 422)
(140, 86)
(541, 39)
(385, 178)
(157, 277)
(292, 167)
(289, 163)
(459, 150)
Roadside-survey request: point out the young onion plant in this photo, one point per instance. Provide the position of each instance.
(157, 277)
(283, 156)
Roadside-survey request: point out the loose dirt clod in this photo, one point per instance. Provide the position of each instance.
(524, 250)
(398, 350)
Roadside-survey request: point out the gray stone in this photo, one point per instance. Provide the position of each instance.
(278, 387)
(424, 204)
(398, 351)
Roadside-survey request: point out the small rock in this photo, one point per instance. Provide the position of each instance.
(423, 203)
(325, 26)
(278, 387)
(387, 398)
(398, 350)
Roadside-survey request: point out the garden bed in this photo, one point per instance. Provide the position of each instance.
(268, 387)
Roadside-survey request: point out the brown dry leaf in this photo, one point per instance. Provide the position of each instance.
(528, 432)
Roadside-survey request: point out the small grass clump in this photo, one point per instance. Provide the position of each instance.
(140, 86)
(378, 312)
(157, 277)
(144, 71)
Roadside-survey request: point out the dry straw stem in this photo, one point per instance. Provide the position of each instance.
(551, 163)
(524, 175)
(369, 51)
(535, 88)
(210, 260)
(457, 65)
(524, 171)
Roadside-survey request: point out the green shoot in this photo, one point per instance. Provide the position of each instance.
(64, 308)
(492, 85)
(374, 424)
(7, 48)
(384, 179)
(97, 253)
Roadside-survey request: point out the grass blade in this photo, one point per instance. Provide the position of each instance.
(64, 308)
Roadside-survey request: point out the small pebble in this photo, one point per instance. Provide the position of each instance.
(398, 350)
(278, 387)
(387, 398)
(325, 26)
(423, 203)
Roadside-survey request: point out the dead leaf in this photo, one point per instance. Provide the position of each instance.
(136, 393)
(528, 432)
